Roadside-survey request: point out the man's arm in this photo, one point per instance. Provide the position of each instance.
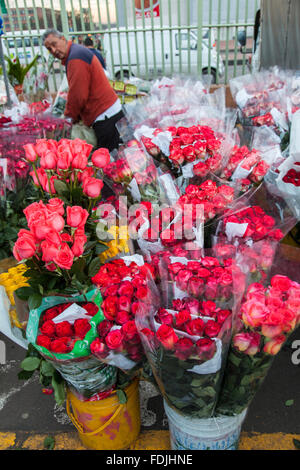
(78, 74)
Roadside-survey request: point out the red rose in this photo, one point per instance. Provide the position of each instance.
(164, 317)
(64, 328)
(182, 317)
(99, 349)
(283, 283)
(167, 336)
(81, 327)
(114, 340)
(122, 317)
(60, 345)
(43, 340)
(110, 307)
(182, 278)
(206, 348)
(183, 348)
(126, 289)
(130, 331)
(208, 307)
(222, 315)
(91, 308)
(212, 328)
(104, 327)
(195, 327)
(48, 328)
(124, 303)
(51, 313)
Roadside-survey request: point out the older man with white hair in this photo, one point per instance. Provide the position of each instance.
(91, 99)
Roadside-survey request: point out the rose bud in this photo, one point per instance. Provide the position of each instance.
(122, 317)
(167, 336)
(63, 328)
(283, 283)
(274, 345)
(90, 308)
(182, 317)
(99, 349)
(206, 348)
(43, 340)
(60, 345)
(30, 153)
(247, 342)
(114, 340)
(104, 327)
(48, 328)
(92, 187)
(183, 348)
(81, 327)
(212, 328)
(222, 315)
(101, 158)
(195, 327)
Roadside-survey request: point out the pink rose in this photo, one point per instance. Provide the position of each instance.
(48, 161)
(79, 146)
(76, 216)
(253, 313)
(92, 187)
(273, 346)
(283, 283)
(31, 154)
(56, 222)
(247, 342)
(80, 162)
(56, 205)
(101, 158)
(64, 257)
(64, 157)
(25, 246)
(49, 251)
(78, 245)
(99, 348)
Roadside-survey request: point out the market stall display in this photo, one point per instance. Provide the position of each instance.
(173, 272)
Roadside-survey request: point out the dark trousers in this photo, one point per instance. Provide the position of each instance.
(106, 132)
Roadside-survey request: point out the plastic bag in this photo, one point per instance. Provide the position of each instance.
(269, 313)
(59, 105)
(186, 340)
(80, 370)
(83, 132)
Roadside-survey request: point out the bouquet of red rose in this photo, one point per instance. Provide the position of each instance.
(123, 285)
(259, 216)
(187, 340)
(268, 314)
(62, 329)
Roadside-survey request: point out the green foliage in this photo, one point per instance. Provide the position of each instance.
(12, 218)
(16, 71)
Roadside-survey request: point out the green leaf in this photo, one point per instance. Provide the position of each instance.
(34, 301)
(30, 363)
(122, 396)
(289, 402)
(24, 292)
(59, 389)
(61, 187)
(296, 443)
(49, 443)
(47, 368)
(94, 267)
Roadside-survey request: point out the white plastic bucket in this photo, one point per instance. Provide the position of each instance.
(221, 433)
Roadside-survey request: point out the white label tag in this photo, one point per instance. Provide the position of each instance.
(235, 230)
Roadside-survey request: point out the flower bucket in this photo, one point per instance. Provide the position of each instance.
(107, 424)
(220, 433)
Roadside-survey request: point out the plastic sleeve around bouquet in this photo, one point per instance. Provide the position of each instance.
(123, 286)
(262, 214)
(186, 340)
(287, 182)
(83, 372)
(269, 313)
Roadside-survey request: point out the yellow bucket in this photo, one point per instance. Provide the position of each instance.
(107, 424)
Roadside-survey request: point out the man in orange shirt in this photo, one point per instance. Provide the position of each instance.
(91, 99)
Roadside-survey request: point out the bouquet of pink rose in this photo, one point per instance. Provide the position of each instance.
(268, 314)
(123, 285)
(57, 249)
(62, 168)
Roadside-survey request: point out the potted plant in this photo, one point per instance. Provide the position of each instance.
(16, 72)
